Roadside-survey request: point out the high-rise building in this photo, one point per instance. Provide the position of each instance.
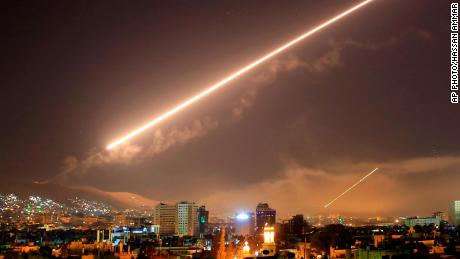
(183, 219)
(203, 221)
(167, 217)
(454, 213)
(297, 225)
(264, 215)
(187, 224)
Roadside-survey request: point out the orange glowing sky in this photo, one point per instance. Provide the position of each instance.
(368, 91)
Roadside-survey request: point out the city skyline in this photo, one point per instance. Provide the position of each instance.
(42, 227)
(370, 91)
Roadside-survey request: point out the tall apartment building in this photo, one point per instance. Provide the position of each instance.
(264, 215)
(167, 217)
(178, 219)
(187, 214)
(203, 221)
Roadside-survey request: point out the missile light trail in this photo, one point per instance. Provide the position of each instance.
(351, 187)
(233, 76)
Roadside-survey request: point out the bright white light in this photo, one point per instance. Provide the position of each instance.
(242, 216)
(232, 76)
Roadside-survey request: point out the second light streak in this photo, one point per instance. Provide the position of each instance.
(351, 187)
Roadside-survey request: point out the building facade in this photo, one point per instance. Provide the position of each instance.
(264, 215)
(182, 219)
(454, 213)
(187, 224)
(297, 225)
(203, 221)
(410, 222)
(167, 217)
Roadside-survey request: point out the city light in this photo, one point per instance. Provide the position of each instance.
(242, 216)
(232, 76)
(269, 234)
(246, 248)
(291, 179)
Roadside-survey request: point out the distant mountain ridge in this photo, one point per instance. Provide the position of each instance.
(62, 194)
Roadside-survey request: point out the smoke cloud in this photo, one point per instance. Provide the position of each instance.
(163, 140)
(330, 59)
(395, 189)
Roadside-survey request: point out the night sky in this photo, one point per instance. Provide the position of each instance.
(370, 91)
